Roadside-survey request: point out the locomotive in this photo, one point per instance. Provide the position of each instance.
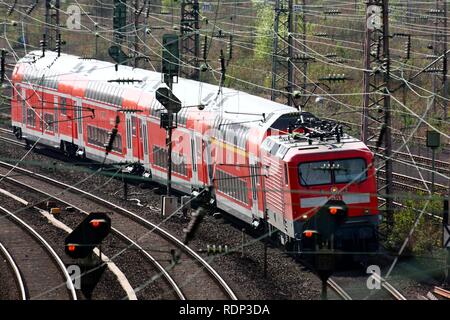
(261, 161)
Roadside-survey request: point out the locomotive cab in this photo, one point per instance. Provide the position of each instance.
(328, 187)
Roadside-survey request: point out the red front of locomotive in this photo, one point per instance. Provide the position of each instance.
(334, 186)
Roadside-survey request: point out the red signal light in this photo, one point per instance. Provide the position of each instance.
(309, 233)
(96, 223)
(71, 247)
(333, 210)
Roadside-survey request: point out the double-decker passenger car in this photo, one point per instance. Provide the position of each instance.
(260, 160)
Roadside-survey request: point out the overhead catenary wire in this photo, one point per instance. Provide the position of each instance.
(325, 60)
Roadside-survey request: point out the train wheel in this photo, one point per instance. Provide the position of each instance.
(27, 144)
(63, 148)
(18, 133)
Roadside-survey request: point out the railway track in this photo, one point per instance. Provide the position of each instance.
(18, 279)
(41, 270)
(159, 272)
(332, 284)
(397, 136)
(388, 290)
(403, 182)
(192, 272)
(422, 162)
(338, 290)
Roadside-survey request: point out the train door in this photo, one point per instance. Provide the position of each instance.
(145, 143)
(56, 117)
(254, 180)
(194, 166)
(138, 142)
(78, 120)
(209, 175)
(24, 109)
(129, 130)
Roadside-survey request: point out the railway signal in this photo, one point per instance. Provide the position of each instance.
(433, 142)
(117, 54)
(87, 235)
(119, 26)
(170, 57)
(165, 96)
(169, 101)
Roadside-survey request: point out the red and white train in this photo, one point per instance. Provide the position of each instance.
(260, 160)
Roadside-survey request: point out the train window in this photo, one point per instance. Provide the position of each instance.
(315, 173)
(49, 122)
(63, 105)
(24, 107)
(349, 170)
(99, 137)
(128, 133)
(336, 171)
(193, 156)
(31, 117)
(134, 126)
(145, 136)
(160, 160)
(232, 186)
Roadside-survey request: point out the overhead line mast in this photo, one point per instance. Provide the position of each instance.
(282, 68)
(377, 103)
(52, 26)
(190, 39)
(440, 69)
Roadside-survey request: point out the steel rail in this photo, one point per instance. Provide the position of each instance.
(15, 270)
(48, 248)
(138, 219)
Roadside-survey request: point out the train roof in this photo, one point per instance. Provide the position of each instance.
(232, 104)
(280, 145)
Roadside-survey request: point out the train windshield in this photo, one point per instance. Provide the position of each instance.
(331, 172)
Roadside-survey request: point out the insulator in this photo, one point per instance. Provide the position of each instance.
(213, 249)
(436, 12)
(334, 77)
(333, 12)
(205, 48)
(11, 8)
(401, 35)
(408, 48)
(112, 136)
(31, 8)
(331, 55)
(230, 48)
(321, 34)
(433, 70)
(197, 217)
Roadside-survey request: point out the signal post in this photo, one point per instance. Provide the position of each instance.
(165, 96)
